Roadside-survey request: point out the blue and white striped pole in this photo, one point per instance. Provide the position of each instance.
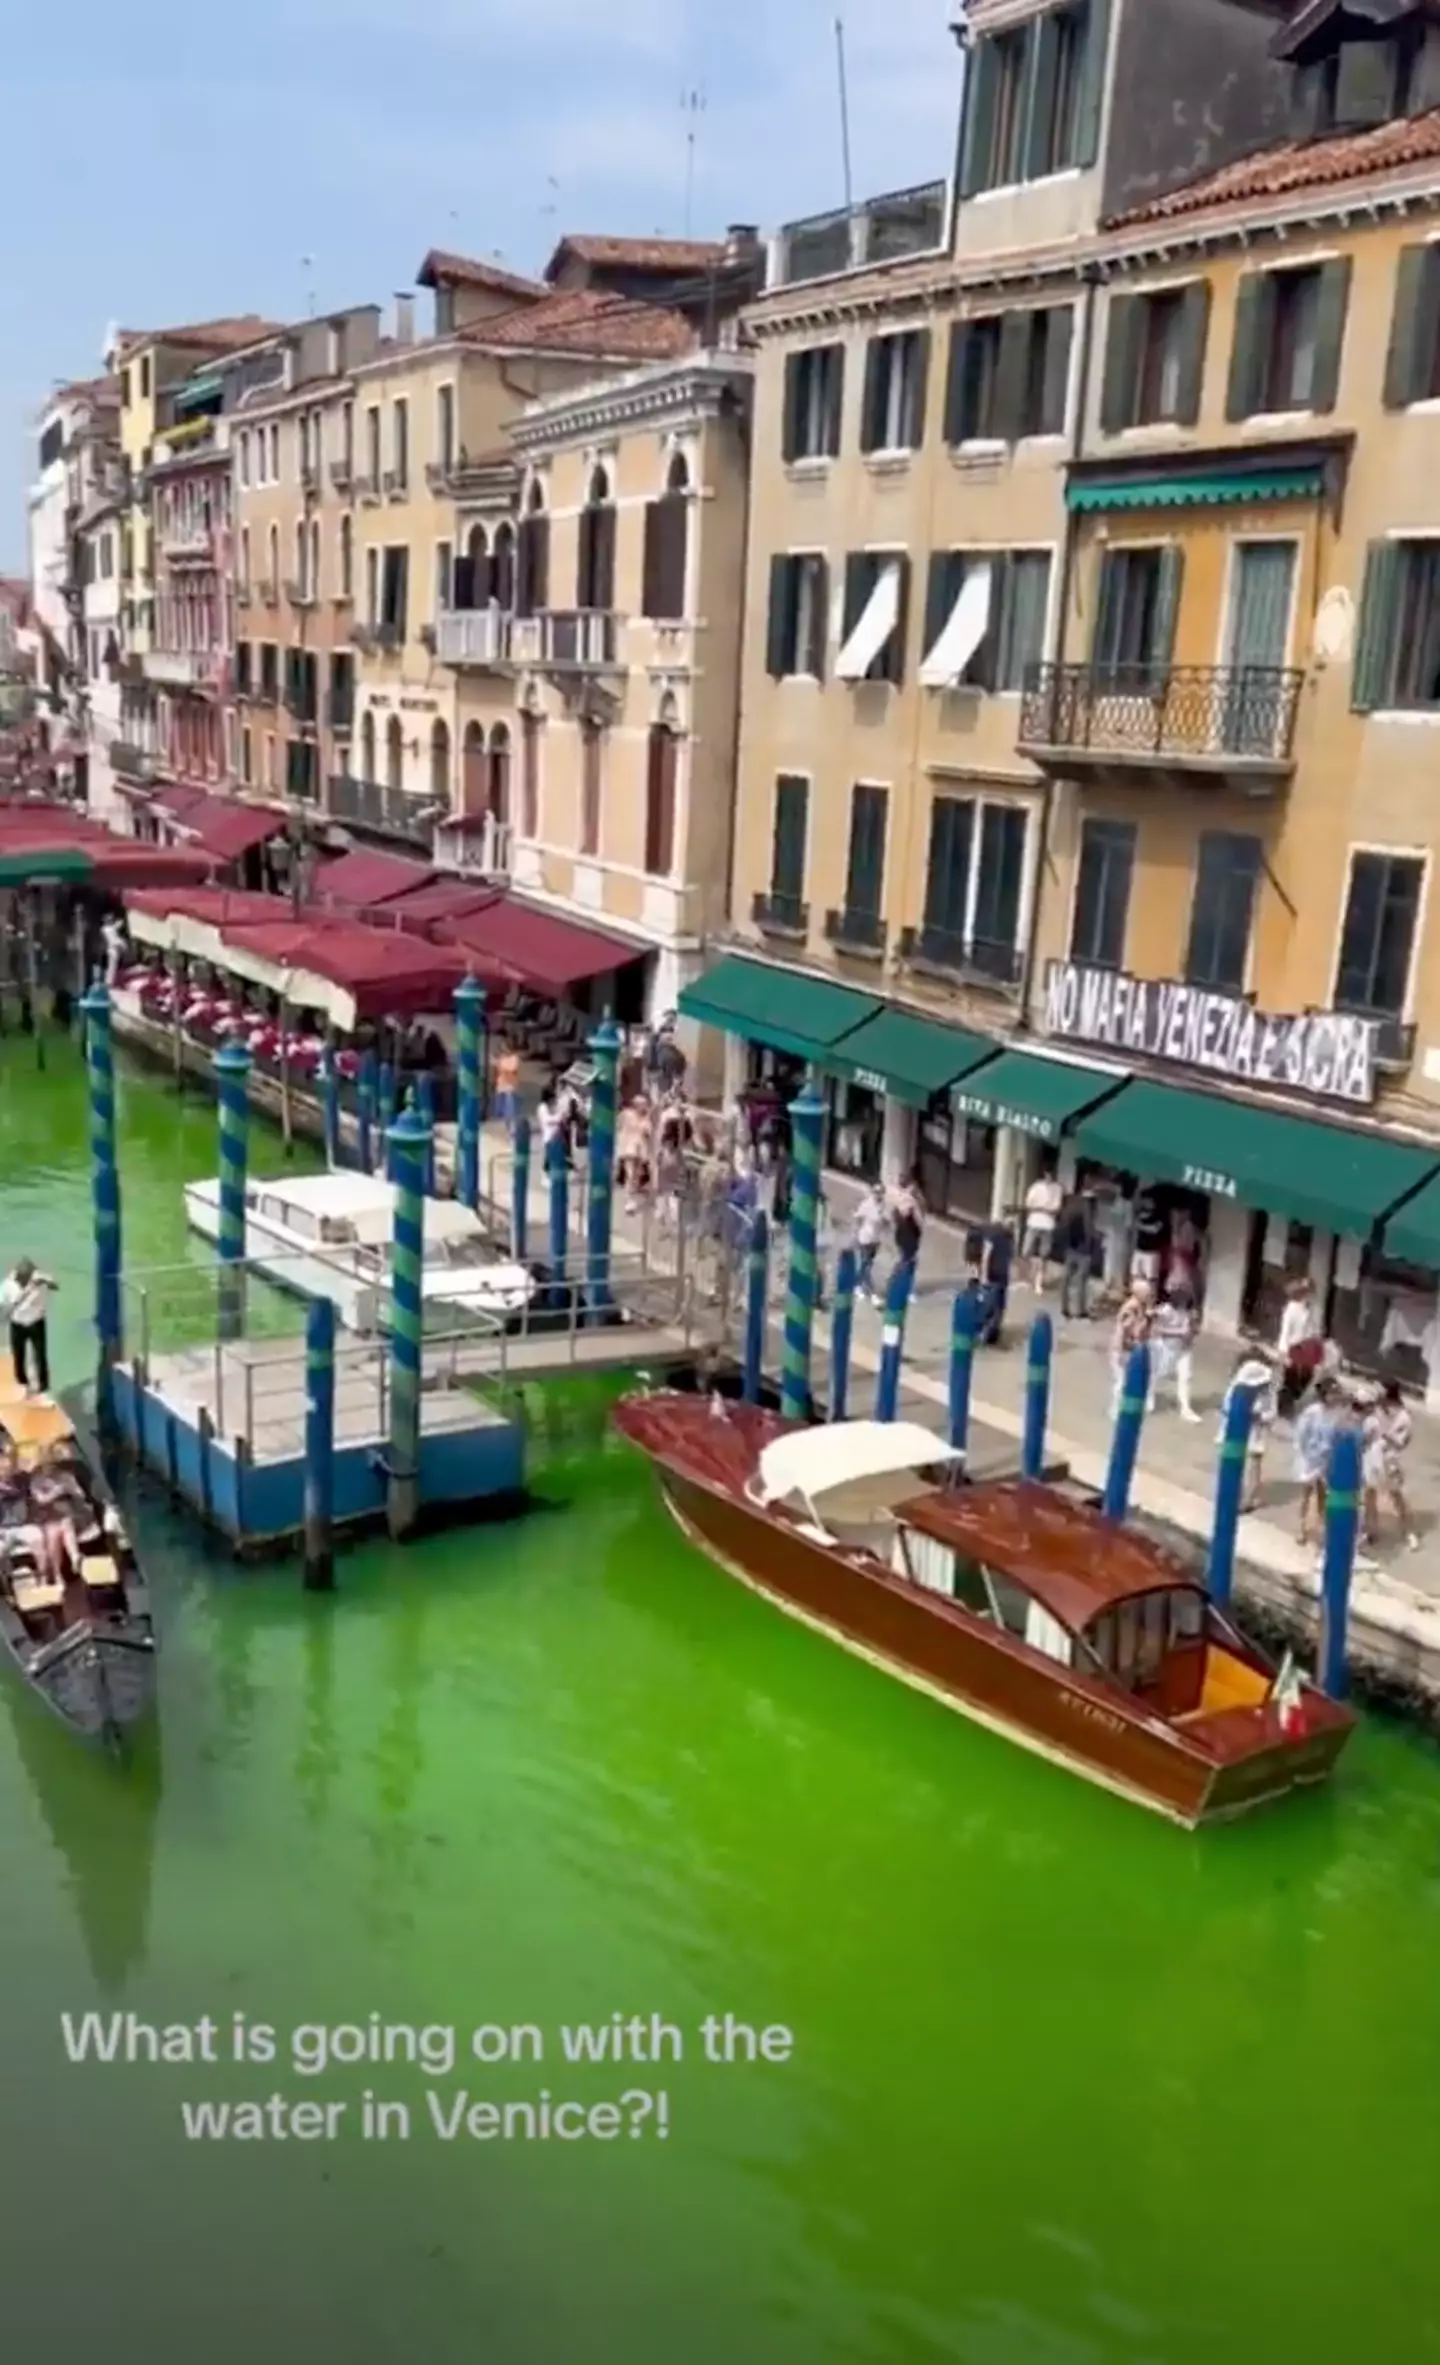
(469, 1015)
(232, 1077)
(892, 1342)
(1037, 1396)
(842, 1325)
(319, 1445)
(559, 1178)
(425, 1101)
(600, 1204)
(1229, 1495)
(365, 1113)
(330, 1106)
(963, 1323)
(520, 1193)
(385, 1110)
(757, 1291)
(104, 1197)
(407, 1147)
(1342, 1531)
(807, 1120)
(1125, 1444)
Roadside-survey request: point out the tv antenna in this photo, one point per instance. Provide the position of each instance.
(692, 107)
(307, 265)
(844, 111)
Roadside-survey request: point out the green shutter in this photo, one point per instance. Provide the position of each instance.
(1330, 311)
(983, 670)
(919, 386)
(790, 425)
(1012, 372)
(979, 136)
(1035, 156)
(859, 583)
(1103, 645)
(871, 421)
(1090, 99)
(1059, 335)
(1247, 352)
(778, 652)
(1412, 327)
(955, 385)
(834, 398)
(787, 854)
(892, 656)
(1194, 332)
(814, 658)
(1375, 638)
(941, 593)
(1123, 323)
(1167, 607)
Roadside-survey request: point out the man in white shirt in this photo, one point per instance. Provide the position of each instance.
(25, 1300)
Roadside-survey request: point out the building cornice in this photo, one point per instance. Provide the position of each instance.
(679, 393)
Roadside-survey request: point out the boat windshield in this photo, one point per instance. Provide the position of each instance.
(1132, 1639)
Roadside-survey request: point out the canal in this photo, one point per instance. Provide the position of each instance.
(1067, 2087)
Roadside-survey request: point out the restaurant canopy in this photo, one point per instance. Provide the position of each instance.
(226, 829)
(421, 908)
(44, 845)
(1037, 1096)
(912, 1057)
(313, 960)
(806, 1016)
(529, 947)
(362, 878)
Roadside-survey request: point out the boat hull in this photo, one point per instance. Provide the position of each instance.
(98, 1681)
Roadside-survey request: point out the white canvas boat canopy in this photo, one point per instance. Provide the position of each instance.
(877, 620)
(300, 989)
(861, 1460)
(962, 632)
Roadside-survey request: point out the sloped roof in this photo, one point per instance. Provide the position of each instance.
(638, 254)
(586, 320)
(443, 270)
(1297, 165)
(228, 335)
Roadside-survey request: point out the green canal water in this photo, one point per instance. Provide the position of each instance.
(1067, 2087)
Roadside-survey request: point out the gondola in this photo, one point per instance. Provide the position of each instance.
(74, 1607)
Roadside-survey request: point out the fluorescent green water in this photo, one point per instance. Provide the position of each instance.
(1068, 2088)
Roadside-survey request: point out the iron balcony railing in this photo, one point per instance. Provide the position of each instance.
(1195, 712)
(779, 914)
(389, 812)
(981, 959)
(855, 931)
(473, 636)
(579, 640)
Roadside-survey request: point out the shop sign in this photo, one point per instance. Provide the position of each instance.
(870, 1080)
(993, 1112)
(1327, 1053)
(1219, 1186)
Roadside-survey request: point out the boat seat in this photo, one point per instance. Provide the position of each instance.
(37, 1593)
(97, 1568)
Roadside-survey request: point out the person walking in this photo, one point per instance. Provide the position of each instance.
(909, 1224)
(507, 1084)
(869, 1232)
(1132, 1330)
(1385, 1439)
(1299, 1344)
(1149, 1239)
(1315, 1434)
(25, 1302)
(1042, 1208)
(1254, 1377)
(1075, 1247)
(1115, 1223)
(995, 1283)
(1174, 1333)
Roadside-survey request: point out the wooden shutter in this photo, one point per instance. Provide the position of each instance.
(942, 589)
(650, 560)
(790, 422)
(780, 622)
(979, 134)
(1059, 336)
(983, 669)
(917, 387)
(1250, 342)
(865, 870)
(1193, 332)
(1104, 643)
(1011, 374)
(955, 384)
(814, 657)
(1331, 308)
(891, 662)
(859, 583)
(1412, 327)
(1375, 637)
(834, 366)
(674, 554)
(585, 557)
(872, 421)
(1167, 607)
(787, 852)
(1043, 61)
(1090, 98)
(947, 868)
(1124, 324)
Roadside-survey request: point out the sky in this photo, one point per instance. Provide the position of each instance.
(280, 156)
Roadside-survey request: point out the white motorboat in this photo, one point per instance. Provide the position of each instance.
(329, 1235)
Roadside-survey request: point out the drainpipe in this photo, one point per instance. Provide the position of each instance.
(960, 35)
(1090, 280)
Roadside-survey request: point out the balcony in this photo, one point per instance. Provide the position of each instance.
(882, 230)
(267, 592)
(783, 916)
(1228, 724)
(482, 637)
(859, 932)
(397, 484)
(367, 490)
(569, 640)
(298, 593)
(341, 476)
(188, 544)
(972, 961)
(182, 669)
(385, 812)
(129, 762)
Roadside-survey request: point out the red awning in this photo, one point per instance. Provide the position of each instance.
(178, 798)
(534, 948)
(385, 977)
(362, 878)
(225, 829)
(219, 906)
(447, 899)
(127, 864)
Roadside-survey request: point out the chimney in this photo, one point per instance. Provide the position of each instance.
(404, 318)
(741, 240)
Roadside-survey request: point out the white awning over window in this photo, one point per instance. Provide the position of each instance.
(878, 619)
(963, 631)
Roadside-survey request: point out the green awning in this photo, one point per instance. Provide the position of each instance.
(196, 392)
(1339, 1181)
(1413, 1232)
(911, 1057)
(38, 866)
(1194, 492)
(1036, 1096)
(780, 1007)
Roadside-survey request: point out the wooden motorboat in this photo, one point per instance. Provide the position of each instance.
(1024, 1609)
(74, 1607)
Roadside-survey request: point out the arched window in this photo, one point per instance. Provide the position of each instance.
(273, 571)
(677, 475)
(532, 555)
(667, 546)
(502, 568)
(530, 729)
(661, 776)
(595, 566)
(592, 764)
(440, 761)
(500, 772)
(394, 754)
(472, 770)
(472, 576)
(367, 745)
(346, 584)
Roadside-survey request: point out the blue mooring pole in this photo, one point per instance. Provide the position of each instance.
(104, 1199)
(469, 1014)
(319, 1445)
(807, 1123)
(232, 1076)
(520, 1193)
(962, 1367)
(365, 1113)
(757, 1292)
(1229, 1495)
(407, 1149)
(425, 1103)
(1037, 1396)
(330, 1106)
(600, 1204)
(384, 1099)
(1125, 1444)
(842, 1328)
(1342, 1529)
(892, 1343)
(559, 1174)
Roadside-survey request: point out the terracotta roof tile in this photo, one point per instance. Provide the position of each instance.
(1299, 165)
(440, 269)
(640, 254)
(227, 335)
(586, 320)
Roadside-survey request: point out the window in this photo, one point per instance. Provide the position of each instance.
(1033, 98)
(662, 767)
(315, 577)
(532, 557)
(302, 558)
(272, 560)
(1155, 358)
(595, 556)
(873, 617)
(972, 904)
(346, 588)
(372, 587)
(892, 417)
(798, 618)
(591, 766)
(1412, 365)
(1009, 376)
(275, 454)
(145, 378)
(247, 757)
(1102, 893)
(1361, 84)
(1397, 648)
(1289, 330)
(1135, 615)
(347, 436)
(865, 862)
(245, 458)
(445, 427)
(444, 572)
(1001, 624)
(1226, 874)
(530, 727)
(502, 568)
(814, 396)
(1377, 937)
(400, 442)
(787, 848)
(666, 550)
(372, 444)
(394, 590)
(124, 390)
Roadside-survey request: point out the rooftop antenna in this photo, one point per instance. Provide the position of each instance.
(692, 106)
(307, 265)
(844, 111)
